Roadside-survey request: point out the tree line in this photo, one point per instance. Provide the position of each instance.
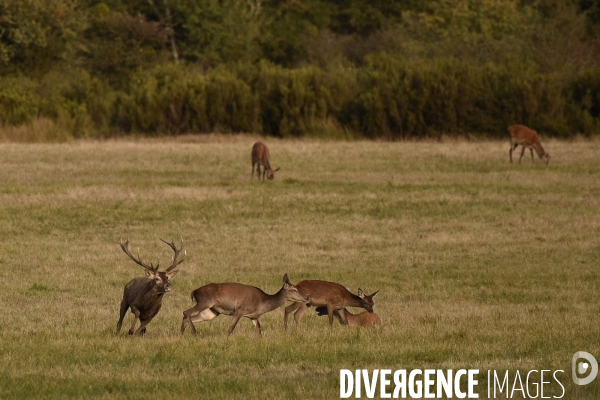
(386, 69)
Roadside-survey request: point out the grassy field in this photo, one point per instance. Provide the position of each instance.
(481, 264)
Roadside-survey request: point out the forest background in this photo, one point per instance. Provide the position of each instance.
(381, 69)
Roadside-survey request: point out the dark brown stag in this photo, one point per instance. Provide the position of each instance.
(261, 156)
(331, 295)
(143, 295)
(237, 300)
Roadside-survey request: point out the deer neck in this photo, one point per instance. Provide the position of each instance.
(153, 291)
(273, 301)
(267, 165)
(355, 301)
(538, 148)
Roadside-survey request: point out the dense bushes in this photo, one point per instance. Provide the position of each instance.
(420, 99)
(174, 100)
(390, 69)
(80, 104)
(388, 97)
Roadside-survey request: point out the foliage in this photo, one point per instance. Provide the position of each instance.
(117, 45)
(17, 101)
(222, 31)
(293, 102)
(380, 69)
(175, 100)
(35, 34)
(418, 99)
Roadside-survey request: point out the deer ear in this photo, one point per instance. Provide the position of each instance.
(361, 294)
(172, 274)
(287, 285)
(373, 295)
(286, 279)
(278, 168)
(150, 274)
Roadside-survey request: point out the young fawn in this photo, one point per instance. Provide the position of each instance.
(527, 138)
(261, 156)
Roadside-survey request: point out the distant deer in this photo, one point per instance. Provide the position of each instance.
(237, 300)
(261, 156)
(365, 318)
(144, 294)
(527, 138)
(331, 295)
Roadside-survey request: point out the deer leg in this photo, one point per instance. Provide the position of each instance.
(142, 329)
(289, 309)
(338, 315)
(330, 311)
(200, 312)
(252, 176)
(123, 311)
(512, 147)
(234, 321)
(522, 152)
(531, 150)
(257, 325)
(137, 316)
(205, 315)
(342, 317)
(301, 310)
(187, 320)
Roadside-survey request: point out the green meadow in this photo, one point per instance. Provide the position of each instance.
(481, 264)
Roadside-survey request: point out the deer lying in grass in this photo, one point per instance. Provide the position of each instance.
(365, 318)
(331, 295)
(261, 156)
(237, 300)
(527, 138)
(144, 294)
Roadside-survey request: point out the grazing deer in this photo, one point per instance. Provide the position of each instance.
(144, 294)
(261, 156)
(237, 300)
(327, 294)
(365, 318)
(527, 138)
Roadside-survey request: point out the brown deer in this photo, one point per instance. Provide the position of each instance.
(365, 318)
(237, 300)
(261, 156)
(331, 295)
(527, 138)
(144, 294)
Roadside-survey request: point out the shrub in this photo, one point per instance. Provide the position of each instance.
(18, 102)
(175, 99)
(295, 102)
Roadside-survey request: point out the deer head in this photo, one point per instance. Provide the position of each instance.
(271, 173)
(367, 299)
(160, 278)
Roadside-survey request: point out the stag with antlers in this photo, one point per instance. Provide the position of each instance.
(144, 294)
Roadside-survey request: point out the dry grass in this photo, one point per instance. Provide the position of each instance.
(480, 263)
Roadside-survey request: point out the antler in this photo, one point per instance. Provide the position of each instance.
(177, 251)
(138, 260)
